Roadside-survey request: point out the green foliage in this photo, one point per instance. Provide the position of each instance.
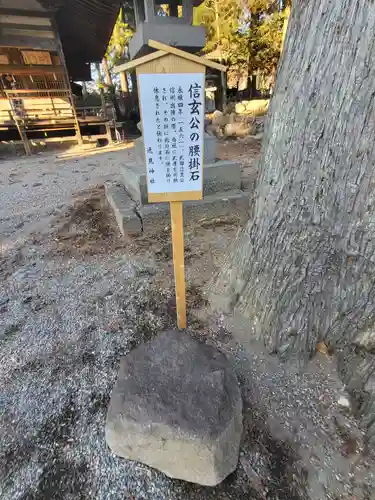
(117, 50)
(246, 34)
(117, 47)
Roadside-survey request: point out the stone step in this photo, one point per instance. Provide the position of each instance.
(219, 176)
(128, 220)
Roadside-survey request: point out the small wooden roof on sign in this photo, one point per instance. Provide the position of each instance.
(163, 50)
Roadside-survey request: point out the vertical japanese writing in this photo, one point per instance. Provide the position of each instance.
(166, 172)
(159, 133)
(172, 108)
(195, 105)
(180, 132)
(172, 98)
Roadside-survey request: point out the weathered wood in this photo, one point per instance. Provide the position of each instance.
(186, 55)
(22, 12)
(31, 42)
(302, 271)
(30, 27)
(18, 69)
(139, 61)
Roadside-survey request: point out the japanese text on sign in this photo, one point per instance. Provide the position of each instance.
(172, 120)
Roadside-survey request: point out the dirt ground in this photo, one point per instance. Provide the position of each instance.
(75, 296)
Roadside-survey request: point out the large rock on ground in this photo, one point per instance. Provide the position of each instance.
(239, 129)
(177, 407)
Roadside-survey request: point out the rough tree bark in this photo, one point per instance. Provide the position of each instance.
(303, 269)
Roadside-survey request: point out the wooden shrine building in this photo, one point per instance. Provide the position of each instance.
(44, 46)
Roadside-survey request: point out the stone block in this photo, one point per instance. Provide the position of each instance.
(222, 175)
(177, 407)
(238, 129)
(235, 204)
(135, 181)
(214, 130)
(123, 208)
(209, 148)
(240, 108)
(139, 151)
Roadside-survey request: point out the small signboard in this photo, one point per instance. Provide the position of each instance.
(4, 59)
(37, 57)
(171, 98)
(172, 107)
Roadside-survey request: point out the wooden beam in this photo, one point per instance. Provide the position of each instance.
(31, 27)
(19, 69)
(185, 55)
(140, 60)
(27, 13)
(27, 42)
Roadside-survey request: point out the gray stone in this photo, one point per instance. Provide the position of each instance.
(123, 208)
(217, 117)
(234, 204)
(214, 130)
(155, 217)
(240, 107)
(209, 148)
(135, 181)
(222, 175)
(139, 151)
(177, 407)
(238, 129)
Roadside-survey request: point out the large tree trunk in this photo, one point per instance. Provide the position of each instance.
(303, 270)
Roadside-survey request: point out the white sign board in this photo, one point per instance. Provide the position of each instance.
(172, 107)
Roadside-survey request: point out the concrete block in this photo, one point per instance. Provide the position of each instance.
(209, 148)
(235, 204)
(123, 208)
(222, 175)
(135, 181)
(139, 151)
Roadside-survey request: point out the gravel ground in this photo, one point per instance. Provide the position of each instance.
(36, 188)
(74, 298)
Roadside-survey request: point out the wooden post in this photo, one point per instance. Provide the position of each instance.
(177, 224)
(67, 82)
(19, 122)
(124, 82)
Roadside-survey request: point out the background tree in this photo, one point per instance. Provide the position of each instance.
(302, 271)
(245, 34)
(118, 47)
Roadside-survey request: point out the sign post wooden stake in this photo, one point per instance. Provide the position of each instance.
(177, 224)
(171, 100)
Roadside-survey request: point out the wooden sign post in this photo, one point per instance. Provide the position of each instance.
(172, 100)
